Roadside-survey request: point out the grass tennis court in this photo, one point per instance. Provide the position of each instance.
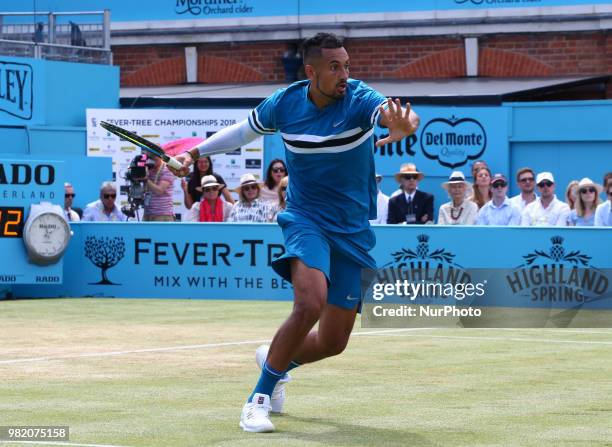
(176, 373)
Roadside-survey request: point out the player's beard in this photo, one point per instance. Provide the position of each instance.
(333, 95)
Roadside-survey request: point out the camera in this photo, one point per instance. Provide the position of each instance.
(136, 176)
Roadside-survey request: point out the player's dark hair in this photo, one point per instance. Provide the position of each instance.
(311, 48)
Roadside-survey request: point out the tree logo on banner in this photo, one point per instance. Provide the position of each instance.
(453, 141)
(104, 253)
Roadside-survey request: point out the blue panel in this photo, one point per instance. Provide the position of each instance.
(562, 121)
(82, 86)
(232, 261)
(201, 9)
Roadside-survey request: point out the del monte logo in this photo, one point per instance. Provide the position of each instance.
(453, 141)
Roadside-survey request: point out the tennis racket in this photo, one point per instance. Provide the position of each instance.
(143, 144)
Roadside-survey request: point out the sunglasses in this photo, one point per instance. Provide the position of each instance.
(277, 170)
(499, 185)
(110, 196)
(410, 177)
(526, 179)
(284, 188)
(66, 196)
(249, 187)
(211, 188)
(585, 190)
(546, 183)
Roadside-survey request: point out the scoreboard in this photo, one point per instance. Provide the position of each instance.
(23, 182)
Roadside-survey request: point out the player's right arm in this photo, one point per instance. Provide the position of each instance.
(225, 140)
(261, 121)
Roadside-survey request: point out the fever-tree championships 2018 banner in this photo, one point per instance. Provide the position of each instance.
(165, 125)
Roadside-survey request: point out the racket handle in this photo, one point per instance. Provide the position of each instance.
(174, 163)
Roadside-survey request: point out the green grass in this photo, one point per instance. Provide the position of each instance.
(444, 387)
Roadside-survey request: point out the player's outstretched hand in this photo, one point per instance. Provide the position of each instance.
(186, 161)
(400, 122)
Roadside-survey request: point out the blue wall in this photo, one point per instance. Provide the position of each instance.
(56, 131)
(232, 261)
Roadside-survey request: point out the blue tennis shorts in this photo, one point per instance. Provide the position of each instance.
(340, 257)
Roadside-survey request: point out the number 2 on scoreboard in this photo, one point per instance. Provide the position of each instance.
(11, 222)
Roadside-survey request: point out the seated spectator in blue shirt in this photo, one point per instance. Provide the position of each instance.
(499, 210)
(603, 214)
(104, 209)
(587, 199)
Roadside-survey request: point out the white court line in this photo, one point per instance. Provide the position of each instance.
(73, 444)
(540, 340)
(253, 342)
(166, 349)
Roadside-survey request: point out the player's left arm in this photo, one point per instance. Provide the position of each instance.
(400, 122)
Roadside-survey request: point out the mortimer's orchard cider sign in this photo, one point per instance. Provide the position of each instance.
(454, 141)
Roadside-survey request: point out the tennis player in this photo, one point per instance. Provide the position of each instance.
(326, 123)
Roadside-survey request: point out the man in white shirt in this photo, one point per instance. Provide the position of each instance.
(525, 179)
(498, 210)
(71, 215)
(382, 204)
(104, 209)
(546, 210)
(603, 213)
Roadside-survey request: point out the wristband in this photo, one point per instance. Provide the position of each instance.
(193, 156)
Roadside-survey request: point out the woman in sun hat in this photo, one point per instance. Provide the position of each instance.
(191, 189)
(250, 208)
(211, 208)
(587, 199)
(460, 210)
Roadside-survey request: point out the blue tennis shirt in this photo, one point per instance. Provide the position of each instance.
(329, 153)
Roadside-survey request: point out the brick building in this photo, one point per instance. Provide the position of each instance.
(518, 43)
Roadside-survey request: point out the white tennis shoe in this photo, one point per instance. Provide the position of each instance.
(277, 400)
(255, 416)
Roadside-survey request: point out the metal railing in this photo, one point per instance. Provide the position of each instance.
(63, 36)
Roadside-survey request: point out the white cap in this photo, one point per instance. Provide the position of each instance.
(544, 176)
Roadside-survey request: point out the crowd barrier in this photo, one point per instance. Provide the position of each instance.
(233, 261)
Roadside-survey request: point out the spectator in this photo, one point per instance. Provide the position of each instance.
(275, 173)
(546, 209)
(250, 208)
(482, 187)
(104, 209)
(460, 210)
(525, 178)
(280, 206)
(499, 210)
(71, 215)
(571, 193)
(587, 200)
(382, 204)
(411, 207)
(477, 166)
(603, 213)
(158, 204)
(191, 189)
(211, 208)
(607, 181)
